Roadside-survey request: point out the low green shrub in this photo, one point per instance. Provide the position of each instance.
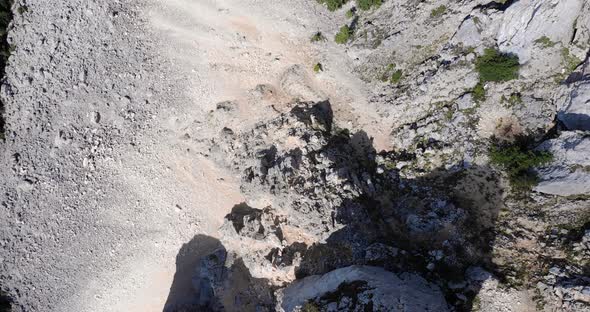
(368, 4)
(318, 67)
(318, 37)
(513, 100)
(396, 76)
(545, 42)
(439, 11)
(343, 35)
(333, 5)
(350, 13)
(518, 160)
(496, 66)
(479, 92)
(309, 307)
(571, 61)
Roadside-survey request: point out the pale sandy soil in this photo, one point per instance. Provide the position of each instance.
(132, 187)
(225, 49)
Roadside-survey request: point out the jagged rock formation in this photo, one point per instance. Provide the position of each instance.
(367, 184)
(362, 288)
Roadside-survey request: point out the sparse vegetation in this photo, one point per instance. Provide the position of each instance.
(571, 61)
(479, 92)
(439, 11)
(350, 13)
(333, 5)
(496, 66)
(391, 75)
(396, 76)
(309, 307)
(318, 37)
(22, 9)
(545, 42)
(513, 100)
(318, 68)
(367, 4)
(343, 35)
(518, 159)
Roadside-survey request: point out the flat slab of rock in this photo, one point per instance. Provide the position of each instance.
(570, 172)
(575, 111)
(527, 21)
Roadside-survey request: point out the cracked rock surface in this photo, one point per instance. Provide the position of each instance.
(191, 155)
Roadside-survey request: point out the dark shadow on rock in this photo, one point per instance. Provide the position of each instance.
(183, 296)
(574, 121)
(208, 278)
(5, 302)
(438, 224)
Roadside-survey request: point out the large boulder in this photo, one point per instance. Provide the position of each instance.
(574, 112)
(362, 288)
(569, 173)
(524, 22)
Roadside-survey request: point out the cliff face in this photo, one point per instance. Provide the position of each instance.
(483, 193)
(297, 156)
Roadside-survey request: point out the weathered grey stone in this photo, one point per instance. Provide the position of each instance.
(382, 291)
(569, 173)
(528, 20)
(574, 111)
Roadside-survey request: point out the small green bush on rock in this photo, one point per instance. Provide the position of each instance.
(318, 37)
(343, 35)
(496, 66)
(367, 4)
(318, 67)
(396, 76)
(518, 160)
(350, 13)
(439, 11)
(333, 5)
(545, 42)
(479, 92)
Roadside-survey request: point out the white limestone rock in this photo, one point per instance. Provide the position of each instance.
(386, 291)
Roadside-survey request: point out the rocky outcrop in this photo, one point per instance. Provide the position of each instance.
(524, 22)
(362, 288)
(569, 173)
(574, 110)
(331, 201)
